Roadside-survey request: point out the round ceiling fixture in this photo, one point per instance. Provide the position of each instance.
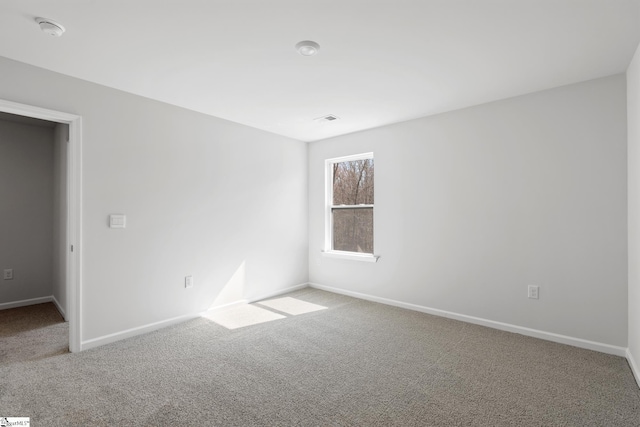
(51, 27)
(307, 48)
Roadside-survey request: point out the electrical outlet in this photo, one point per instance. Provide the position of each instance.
(188, 282)
(534, 292)
(8, 274)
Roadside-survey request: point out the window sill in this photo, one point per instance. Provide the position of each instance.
(353, 256)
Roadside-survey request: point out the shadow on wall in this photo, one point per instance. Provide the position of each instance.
(233, 290)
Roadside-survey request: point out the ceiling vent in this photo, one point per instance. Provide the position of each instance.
(327, 118)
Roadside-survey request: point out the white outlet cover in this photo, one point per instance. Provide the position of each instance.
(188, 282)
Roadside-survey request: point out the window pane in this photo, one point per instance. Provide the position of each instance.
(353, 230)
(353, 182)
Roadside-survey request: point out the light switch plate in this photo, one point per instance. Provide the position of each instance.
(117, 221)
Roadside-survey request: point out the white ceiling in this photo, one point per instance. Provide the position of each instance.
(380, 62)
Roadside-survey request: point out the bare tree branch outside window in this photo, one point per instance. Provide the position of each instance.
(352, 206)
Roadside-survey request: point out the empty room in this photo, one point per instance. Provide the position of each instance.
(339, 213)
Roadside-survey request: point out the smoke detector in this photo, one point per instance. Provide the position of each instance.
(307, 48)
(51, 27)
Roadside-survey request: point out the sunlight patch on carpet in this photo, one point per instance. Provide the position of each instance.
(292, 306)
(242, 315)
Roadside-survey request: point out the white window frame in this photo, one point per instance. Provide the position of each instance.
(328, 228)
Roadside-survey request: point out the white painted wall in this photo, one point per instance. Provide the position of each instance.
(203, 196)
(59, 279)
(26, 208)
(474, 205)
(633, 123)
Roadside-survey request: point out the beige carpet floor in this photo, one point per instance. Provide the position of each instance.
(32, 333)
(322, 360)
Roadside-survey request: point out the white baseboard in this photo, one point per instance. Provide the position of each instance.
(278, 292)
(59, 307)
(225, 306)
(117, 336)
(635, 368)
(255, 299)
(549, 336)
(25, 302)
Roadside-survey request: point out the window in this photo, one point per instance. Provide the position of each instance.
(350, 200)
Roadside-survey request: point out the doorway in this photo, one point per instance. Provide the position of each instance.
(71, 258)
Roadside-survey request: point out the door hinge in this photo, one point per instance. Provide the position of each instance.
(71, 248)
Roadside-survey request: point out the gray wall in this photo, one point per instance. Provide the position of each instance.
(203, 197)
(26, 209)
(474, 205)
(633, 114)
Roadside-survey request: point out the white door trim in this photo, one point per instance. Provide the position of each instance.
(74, 210)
